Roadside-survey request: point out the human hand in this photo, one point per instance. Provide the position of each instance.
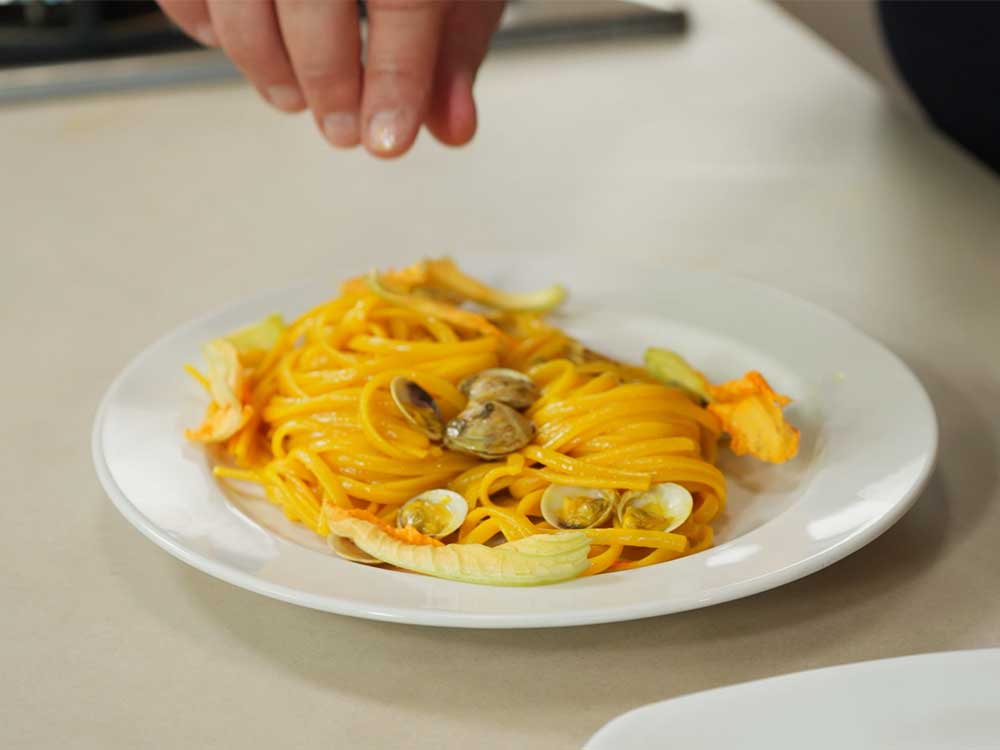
(422, 59)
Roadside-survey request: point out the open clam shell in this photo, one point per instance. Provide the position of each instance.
(435, 513)
(663, 507)
(568, 507)
(418, 407)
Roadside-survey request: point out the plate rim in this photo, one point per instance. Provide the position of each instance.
(444, 618)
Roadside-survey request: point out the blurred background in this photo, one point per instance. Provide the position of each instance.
(943, 49)
(63, 47)
(57, 47)
(48, 31)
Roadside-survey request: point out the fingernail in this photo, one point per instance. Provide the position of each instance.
(285, 97)
(341, 128)
(385, 130)
(206, 35)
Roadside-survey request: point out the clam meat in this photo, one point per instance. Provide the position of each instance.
(663, 507)
(435, 513)
(568, 507)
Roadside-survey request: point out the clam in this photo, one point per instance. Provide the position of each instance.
(418, 406)
(510, 387)
(348, 550)
(488, 430)
(435, 513)
(568, 507)
(663, 507)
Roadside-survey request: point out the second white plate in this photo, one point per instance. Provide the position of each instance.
(869, 442)
(947, 701)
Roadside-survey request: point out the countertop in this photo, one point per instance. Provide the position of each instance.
(747, 147)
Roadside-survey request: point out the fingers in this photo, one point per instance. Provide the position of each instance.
(248, 31)
(403, 38)
(308, 52)
(468, 28)
(324, 45)
(193, 18)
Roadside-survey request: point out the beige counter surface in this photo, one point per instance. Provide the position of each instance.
(748, 147)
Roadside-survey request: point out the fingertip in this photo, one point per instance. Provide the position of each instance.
(453, 119)
(462, 117)
(341, 129)
(285, 98)
(390, 133)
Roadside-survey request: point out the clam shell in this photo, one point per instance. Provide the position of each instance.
(488, 430)
(663, 507)
(450, 510)
(595, 508)
(510, 387)
(418, 406)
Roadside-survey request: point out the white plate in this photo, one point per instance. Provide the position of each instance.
(948, 701)
(869, 439)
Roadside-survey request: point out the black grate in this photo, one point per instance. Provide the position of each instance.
(34, 32)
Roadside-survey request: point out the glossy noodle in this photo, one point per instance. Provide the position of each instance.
(323, 436)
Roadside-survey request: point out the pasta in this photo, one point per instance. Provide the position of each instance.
(310, 413)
